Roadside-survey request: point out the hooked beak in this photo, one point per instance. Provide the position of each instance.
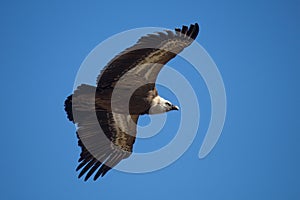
(174, 107)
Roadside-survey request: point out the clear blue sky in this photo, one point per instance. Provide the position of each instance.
(256, 47)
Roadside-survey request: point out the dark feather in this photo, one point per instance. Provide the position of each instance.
(68, 108)
(100, 171)
(184, 29)
(87, 167)
(84, 162)
(92, 170)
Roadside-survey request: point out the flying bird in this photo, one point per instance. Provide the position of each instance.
(106, 116)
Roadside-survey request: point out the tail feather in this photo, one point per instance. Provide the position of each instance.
(68, 108)
(83, 100)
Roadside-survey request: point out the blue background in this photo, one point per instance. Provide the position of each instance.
(256, 47)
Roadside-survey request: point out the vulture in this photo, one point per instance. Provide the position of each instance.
(106, 115)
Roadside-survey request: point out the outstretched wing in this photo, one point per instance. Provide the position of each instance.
(105, 138)
(141, 63)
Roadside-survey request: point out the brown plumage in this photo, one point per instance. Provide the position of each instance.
(106, 115)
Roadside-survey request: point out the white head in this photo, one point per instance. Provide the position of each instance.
(161, 105)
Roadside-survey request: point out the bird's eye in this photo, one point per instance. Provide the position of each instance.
(168, 104)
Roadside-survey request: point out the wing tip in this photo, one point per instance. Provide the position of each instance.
(195, 31)
(191, 31)
(101, 172)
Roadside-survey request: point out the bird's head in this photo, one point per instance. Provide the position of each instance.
(161, 105)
